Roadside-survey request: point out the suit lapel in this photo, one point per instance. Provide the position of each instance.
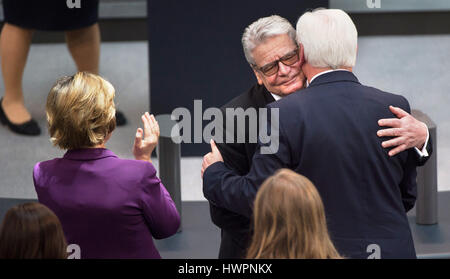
(267, 98)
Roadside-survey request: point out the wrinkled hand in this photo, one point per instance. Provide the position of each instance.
(408, 131)
(146, 141)
(211, 157)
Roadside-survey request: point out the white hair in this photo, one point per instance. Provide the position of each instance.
(329, 38)
(262, 29)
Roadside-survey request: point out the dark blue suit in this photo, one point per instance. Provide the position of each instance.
(328, 133)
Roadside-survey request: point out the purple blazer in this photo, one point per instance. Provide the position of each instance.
(110, 207)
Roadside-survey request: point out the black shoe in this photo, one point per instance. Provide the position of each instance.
(29, 128)
(120, 118)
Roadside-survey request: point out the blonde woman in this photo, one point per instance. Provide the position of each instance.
(289, 220)
(110, 207)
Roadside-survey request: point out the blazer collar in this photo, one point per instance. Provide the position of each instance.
(84, 154)
(335, 76)
(267, 95)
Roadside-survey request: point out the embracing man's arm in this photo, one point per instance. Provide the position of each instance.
(234, 157)
(224, 188)
(408, 132)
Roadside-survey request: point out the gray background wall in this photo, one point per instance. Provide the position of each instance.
(360, 6)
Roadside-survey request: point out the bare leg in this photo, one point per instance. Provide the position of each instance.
(14, 46)
(84, 46)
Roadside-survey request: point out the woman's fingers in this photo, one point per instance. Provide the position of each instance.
(147, 127)
(138, 138)
(151, 127)
(155, 125)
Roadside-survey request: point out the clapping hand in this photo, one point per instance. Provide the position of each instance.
(147, 139)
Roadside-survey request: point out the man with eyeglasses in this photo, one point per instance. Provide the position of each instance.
(271, 50)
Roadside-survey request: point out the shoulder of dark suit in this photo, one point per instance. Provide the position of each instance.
(255, 97)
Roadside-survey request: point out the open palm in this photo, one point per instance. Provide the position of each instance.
(147, 139)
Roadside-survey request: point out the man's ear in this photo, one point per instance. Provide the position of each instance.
(258, 78)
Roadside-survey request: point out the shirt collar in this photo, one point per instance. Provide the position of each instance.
(276, 97)
(322, 73)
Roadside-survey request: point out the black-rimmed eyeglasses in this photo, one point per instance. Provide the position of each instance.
(272, 68)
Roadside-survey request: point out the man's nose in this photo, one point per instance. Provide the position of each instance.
(283, 69)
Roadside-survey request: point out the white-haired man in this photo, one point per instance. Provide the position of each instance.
(328, 132)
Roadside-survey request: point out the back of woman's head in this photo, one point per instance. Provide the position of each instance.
(80, 111)
(289, 220)
(32, 231)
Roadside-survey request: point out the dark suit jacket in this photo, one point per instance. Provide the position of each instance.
(327, 132)
(238, 157)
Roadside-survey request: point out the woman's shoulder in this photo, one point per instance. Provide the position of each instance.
(45, 165)
(138, 165)
(43, 171)
(139, 170)
(142, 173)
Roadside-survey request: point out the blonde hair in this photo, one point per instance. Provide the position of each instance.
(80, 111)
(289, 220)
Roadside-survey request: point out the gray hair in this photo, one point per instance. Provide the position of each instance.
(266, 27)
(329, 38)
